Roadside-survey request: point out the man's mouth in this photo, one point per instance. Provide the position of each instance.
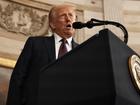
(69, 26)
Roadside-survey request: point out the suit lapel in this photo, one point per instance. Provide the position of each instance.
(50, 43)
(74, 44)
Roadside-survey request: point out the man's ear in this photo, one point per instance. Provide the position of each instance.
(52, 26)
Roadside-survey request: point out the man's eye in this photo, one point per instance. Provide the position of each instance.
(61, 16)
(71, 15)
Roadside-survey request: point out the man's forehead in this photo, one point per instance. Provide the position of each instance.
(64, 10)
(60, 9)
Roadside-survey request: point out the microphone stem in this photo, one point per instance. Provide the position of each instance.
(100, 22)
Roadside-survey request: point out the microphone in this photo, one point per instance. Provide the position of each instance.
(94, 22)
(79, 25)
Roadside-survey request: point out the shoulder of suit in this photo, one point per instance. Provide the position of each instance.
(39, 37)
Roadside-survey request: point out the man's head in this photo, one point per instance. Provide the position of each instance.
(61, 18)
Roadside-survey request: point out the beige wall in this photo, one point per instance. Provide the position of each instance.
(131, 16)
(5, 74)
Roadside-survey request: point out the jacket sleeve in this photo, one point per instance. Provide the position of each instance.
(19, 74)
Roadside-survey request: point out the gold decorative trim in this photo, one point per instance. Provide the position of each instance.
(134, 68)
(7, 63)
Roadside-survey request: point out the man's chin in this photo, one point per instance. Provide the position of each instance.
(69, 34)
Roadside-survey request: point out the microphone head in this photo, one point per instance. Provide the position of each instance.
(78, 25)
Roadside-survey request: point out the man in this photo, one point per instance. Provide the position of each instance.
(39, 52)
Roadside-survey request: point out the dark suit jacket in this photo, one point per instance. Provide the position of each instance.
(37, 53)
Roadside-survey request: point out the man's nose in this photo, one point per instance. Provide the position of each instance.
(68, 18)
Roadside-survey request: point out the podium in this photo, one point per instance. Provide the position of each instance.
(94, 73)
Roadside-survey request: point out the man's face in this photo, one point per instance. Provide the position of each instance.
(62, 21)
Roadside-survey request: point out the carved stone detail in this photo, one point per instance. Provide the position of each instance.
(22, 19)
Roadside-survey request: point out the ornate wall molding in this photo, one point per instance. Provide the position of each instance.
(18, 18)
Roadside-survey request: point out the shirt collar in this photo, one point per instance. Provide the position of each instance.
(58, 38)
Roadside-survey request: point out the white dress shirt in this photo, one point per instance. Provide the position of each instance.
(58, 43)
